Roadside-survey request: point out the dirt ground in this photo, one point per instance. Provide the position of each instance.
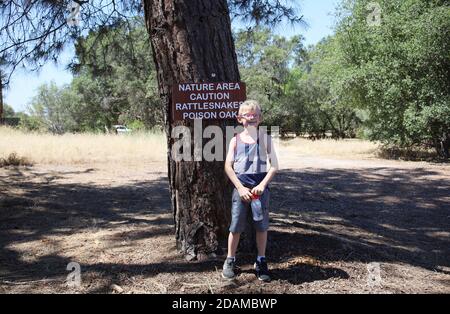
(337, 226)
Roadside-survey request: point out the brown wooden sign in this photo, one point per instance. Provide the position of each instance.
(207, 101)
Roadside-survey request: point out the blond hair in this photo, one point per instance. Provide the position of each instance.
(250, 104)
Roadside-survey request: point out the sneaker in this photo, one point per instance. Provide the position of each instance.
(228, 269)
(262, 272)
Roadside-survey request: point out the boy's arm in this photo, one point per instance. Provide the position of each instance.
(244, 192)
(272, 155)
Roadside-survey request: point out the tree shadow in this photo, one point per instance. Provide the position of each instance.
(366, 215)
(303, 273)
(44, 208)
(299, 273)
(374, 214)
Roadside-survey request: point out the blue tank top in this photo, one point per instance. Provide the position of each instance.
(250, 162)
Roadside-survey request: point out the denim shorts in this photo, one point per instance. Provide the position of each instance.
(240, 210)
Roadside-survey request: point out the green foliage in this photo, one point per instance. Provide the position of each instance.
(136, 125)
(399, 70)
(52, 107)
(388, 82)
(265, 63)
(114, 83)
(8, 111)
(116, 79)
(294, 84)
(30, 123)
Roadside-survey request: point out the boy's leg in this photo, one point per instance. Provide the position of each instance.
(233, 242)
(229, 264)
(262, 270)
(238, 218)
(239, 211)
(262, 226)
(261, 242)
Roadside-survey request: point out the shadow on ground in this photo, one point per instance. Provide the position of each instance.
(371, 214)
(43, 208)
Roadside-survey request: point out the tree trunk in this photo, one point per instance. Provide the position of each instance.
(1, 97)
(442, 146)
(192, 43)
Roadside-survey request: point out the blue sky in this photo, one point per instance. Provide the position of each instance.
(24, 84)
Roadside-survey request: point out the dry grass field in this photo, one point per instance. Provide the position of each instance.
(72, 149)
(340, 218)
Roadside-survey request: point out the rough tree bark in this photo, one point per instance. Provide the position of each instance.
(192, 42)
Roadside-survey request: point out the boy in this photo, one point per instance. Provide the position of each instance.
(246, 166)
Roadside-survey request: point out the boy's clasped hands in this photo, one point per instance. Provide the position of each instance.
(246, 194)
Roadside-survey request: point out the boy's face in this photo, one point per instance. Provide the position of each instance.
(249, 117)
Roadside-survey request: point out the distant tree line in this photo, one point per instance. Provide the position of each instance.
(386, 81)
